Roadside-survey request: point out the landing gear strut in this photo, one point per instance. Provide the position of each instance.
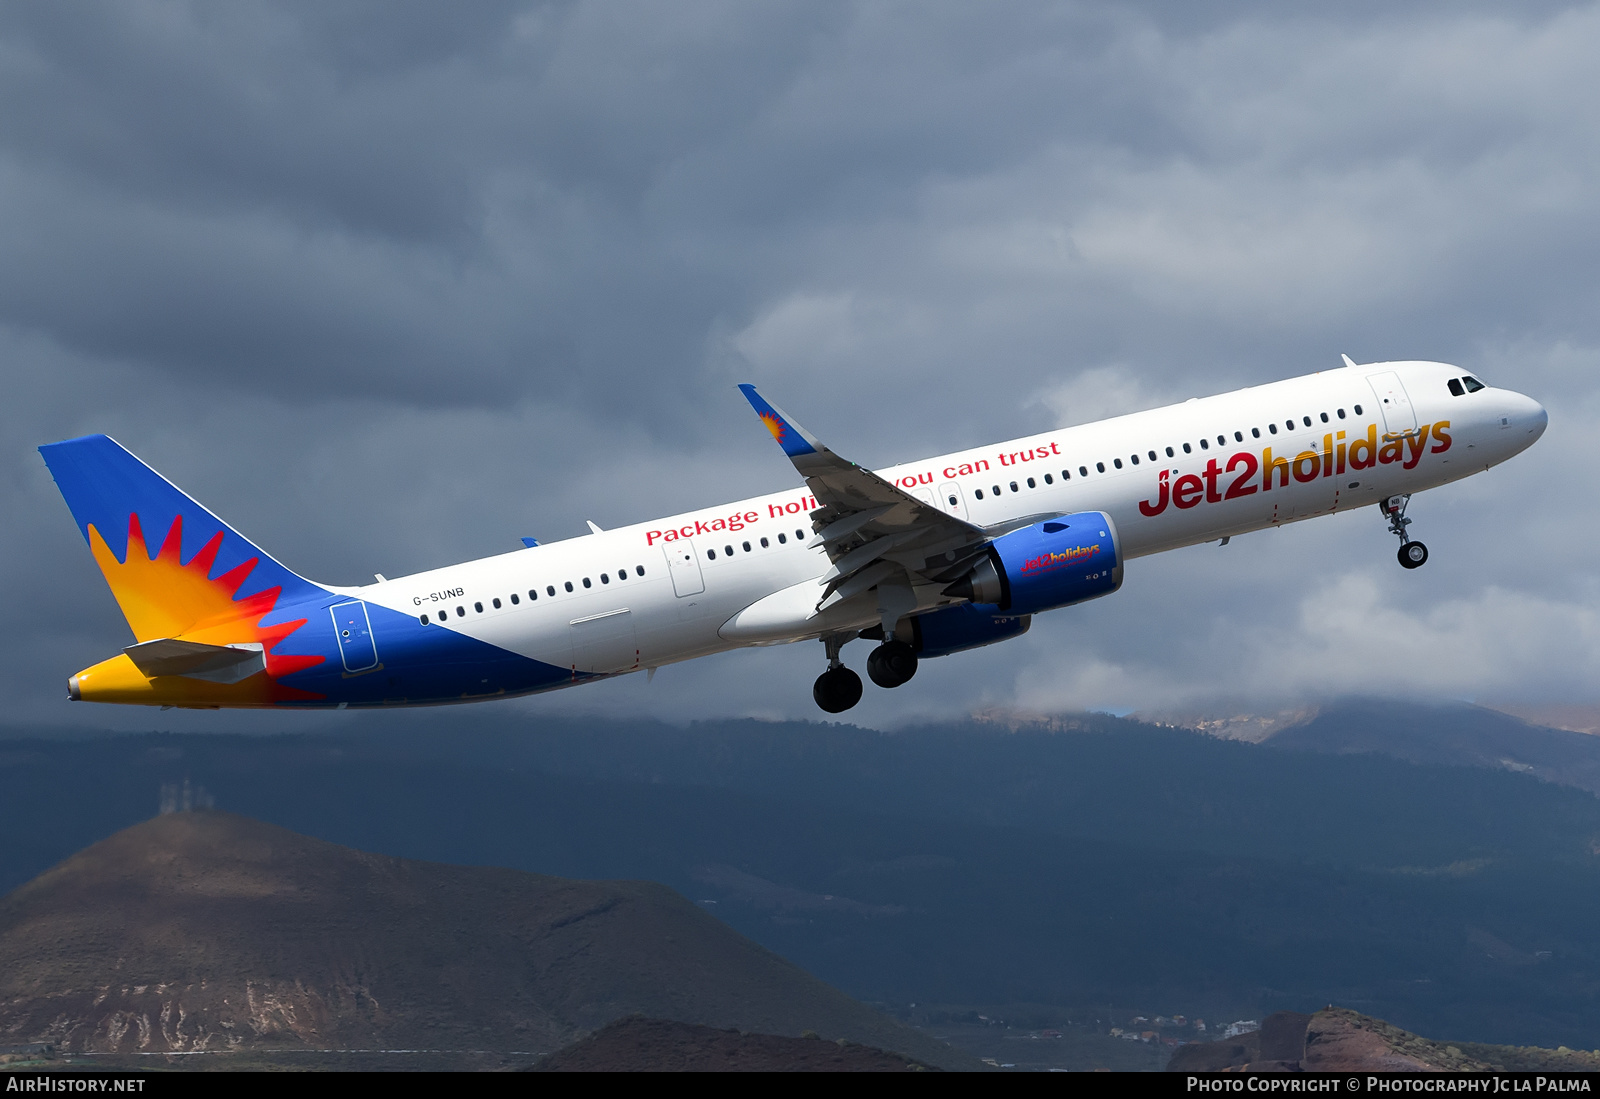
(838, 688)
(1413, 555)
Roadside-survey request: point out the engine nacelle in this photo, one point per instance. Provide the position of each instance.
(964, 626)
(1051, 564)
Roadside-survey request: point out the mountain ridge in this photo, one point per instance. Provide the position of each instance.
(205, 930)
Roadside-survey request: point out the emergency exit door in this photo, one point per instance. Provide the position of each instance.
(683, 565)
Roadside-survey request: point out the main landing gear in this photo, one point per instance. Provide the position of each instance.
(1413, 555)
(891, 664)
(838, 688)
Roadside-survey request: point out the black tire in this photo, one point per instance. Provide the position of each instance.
(1413, 555)
(892, 664)
(837, 689)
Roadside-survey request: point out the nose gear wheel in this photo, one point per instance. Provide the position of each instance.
(1412, 555)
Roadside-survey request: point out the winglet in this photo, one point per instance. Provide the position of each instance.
(795, 440)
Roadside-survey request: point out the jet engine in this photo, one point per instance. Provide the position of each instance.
(1051, 564)
(957, 628)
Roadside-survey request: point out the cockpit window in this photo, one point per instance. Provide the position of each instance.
(1472, 384)
(1455, 387)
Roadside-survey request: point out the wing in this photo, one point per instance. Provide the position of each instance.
(873, 530)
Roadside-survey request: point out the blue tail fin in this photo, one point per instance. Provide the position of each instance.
(123, 506)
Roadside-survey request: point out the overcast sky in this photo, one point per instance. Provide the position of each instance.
(391, 285)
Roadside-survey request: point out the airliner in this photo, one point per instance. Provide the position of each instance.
(926, 559)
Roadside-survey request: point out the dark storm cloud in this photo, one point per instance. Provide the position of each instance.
(390, 285)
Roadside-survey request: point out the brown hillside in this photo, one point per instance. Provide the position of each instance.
(1339, 1040)
(205, 930)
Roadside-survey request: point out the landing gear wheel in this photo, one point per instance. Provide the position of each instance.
(892, 663)
(1413, 555)
(837, 689)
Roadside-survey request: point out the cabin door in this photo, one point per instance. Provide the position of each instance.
(1398, 413)
(353, 630)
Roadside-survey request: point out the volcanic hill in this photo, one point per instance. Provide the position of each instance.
(213, 932)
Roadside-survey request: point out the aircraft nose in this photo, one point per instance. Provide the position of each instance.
(1531, 416)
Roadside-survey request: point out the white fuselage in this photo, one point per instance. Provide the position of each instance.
(692, 580)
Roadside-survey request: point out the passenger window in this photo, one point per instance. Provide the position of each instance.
(1288, 425)
(1032, 483)
(1341, 413)
(996, 490)
(605, 578)
(424, 620)
(551, 588)
(1152, 455)
(1324, 417)
(765, 544)
(1272, 428)
(586, 582)
(1187, 449)
(478, 607)
(1013, 486)
(1222, 440)
(1238, 436)
(622, 574)
(497, 603)
(1307, 419)
(728, 550)
(782, 538)
(568, 585)
(515, 601)
(1083, 471)
(1101, 466)
(1170, 454)
(1255, 433)
(978, 492)
(1358, 410)
(1472, 384)
(461, 612)
(799, 536)
(1134, 458)
(1047, 480)
(1204, 445)
(711, 555)
(746, 546)
(638, 570)
(533, 594)
(1117, 462)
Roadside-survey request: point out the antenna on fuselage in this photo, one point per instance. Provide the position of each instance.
(1348, 362)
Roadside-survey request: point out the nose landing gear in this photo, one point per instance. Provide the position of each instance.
(838, 688)
(1412, 555)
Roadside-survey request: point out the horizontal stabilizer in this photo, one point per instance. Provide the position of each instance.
(218, 663)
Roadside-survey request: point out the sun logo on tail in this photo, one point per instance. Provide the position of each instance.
(163, 596)
(776, 426)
